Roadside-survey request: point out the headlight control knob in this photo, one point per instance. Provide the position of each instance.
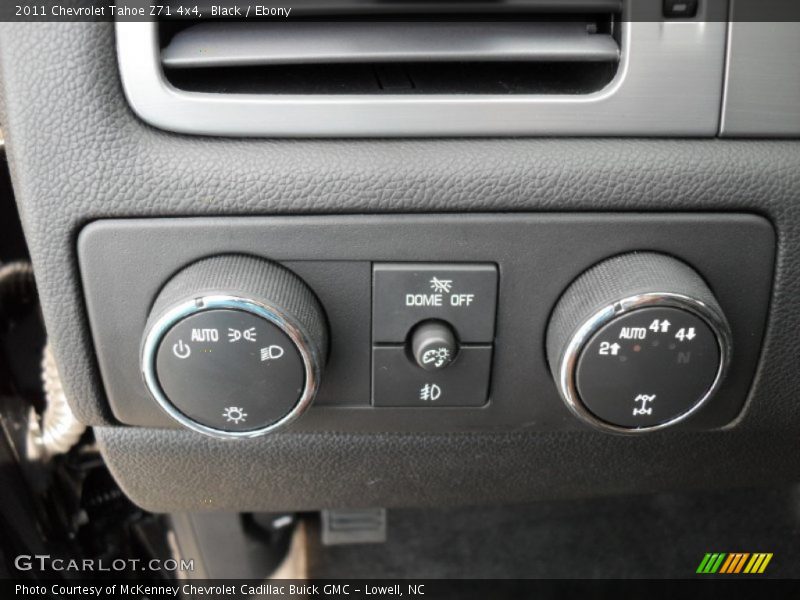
(234, 347)
(638, 343)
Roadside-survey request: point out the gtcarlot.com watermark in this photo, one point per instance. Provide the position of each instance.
(46, 562)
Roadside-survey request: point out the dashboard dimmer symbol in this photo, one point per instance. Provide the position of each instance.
(234, 414)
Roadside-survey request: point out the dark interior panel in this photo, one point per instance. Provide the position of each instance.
(537, 256)
(79, 156)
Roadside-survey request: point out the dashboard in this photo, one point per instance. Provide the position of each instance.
(303, 290)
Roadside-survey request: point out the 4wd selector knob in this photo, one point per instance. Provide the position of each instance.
(234, 346)
(638, 343)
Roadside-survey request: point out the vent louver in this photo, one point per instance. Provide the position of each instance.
(464, 47)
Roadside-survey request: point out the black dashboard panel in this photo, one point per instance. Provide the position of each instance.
(110, 165)
(536, 257)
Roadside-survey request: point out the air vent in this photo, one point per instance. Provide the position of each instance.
(422, 57)
(410, 68)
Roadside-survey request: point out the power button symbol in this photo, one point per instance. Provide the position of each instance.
(181, 350)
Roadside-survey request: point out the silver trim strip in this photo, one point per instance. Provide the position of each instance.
(762, 87)
(669, 83)
(170, 318)
(567, 386)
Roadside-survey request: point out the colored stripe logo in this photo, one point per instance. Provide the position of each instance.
(734, 563)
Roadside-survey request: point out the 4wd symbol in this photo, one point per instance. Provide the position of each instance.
(643, 409)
